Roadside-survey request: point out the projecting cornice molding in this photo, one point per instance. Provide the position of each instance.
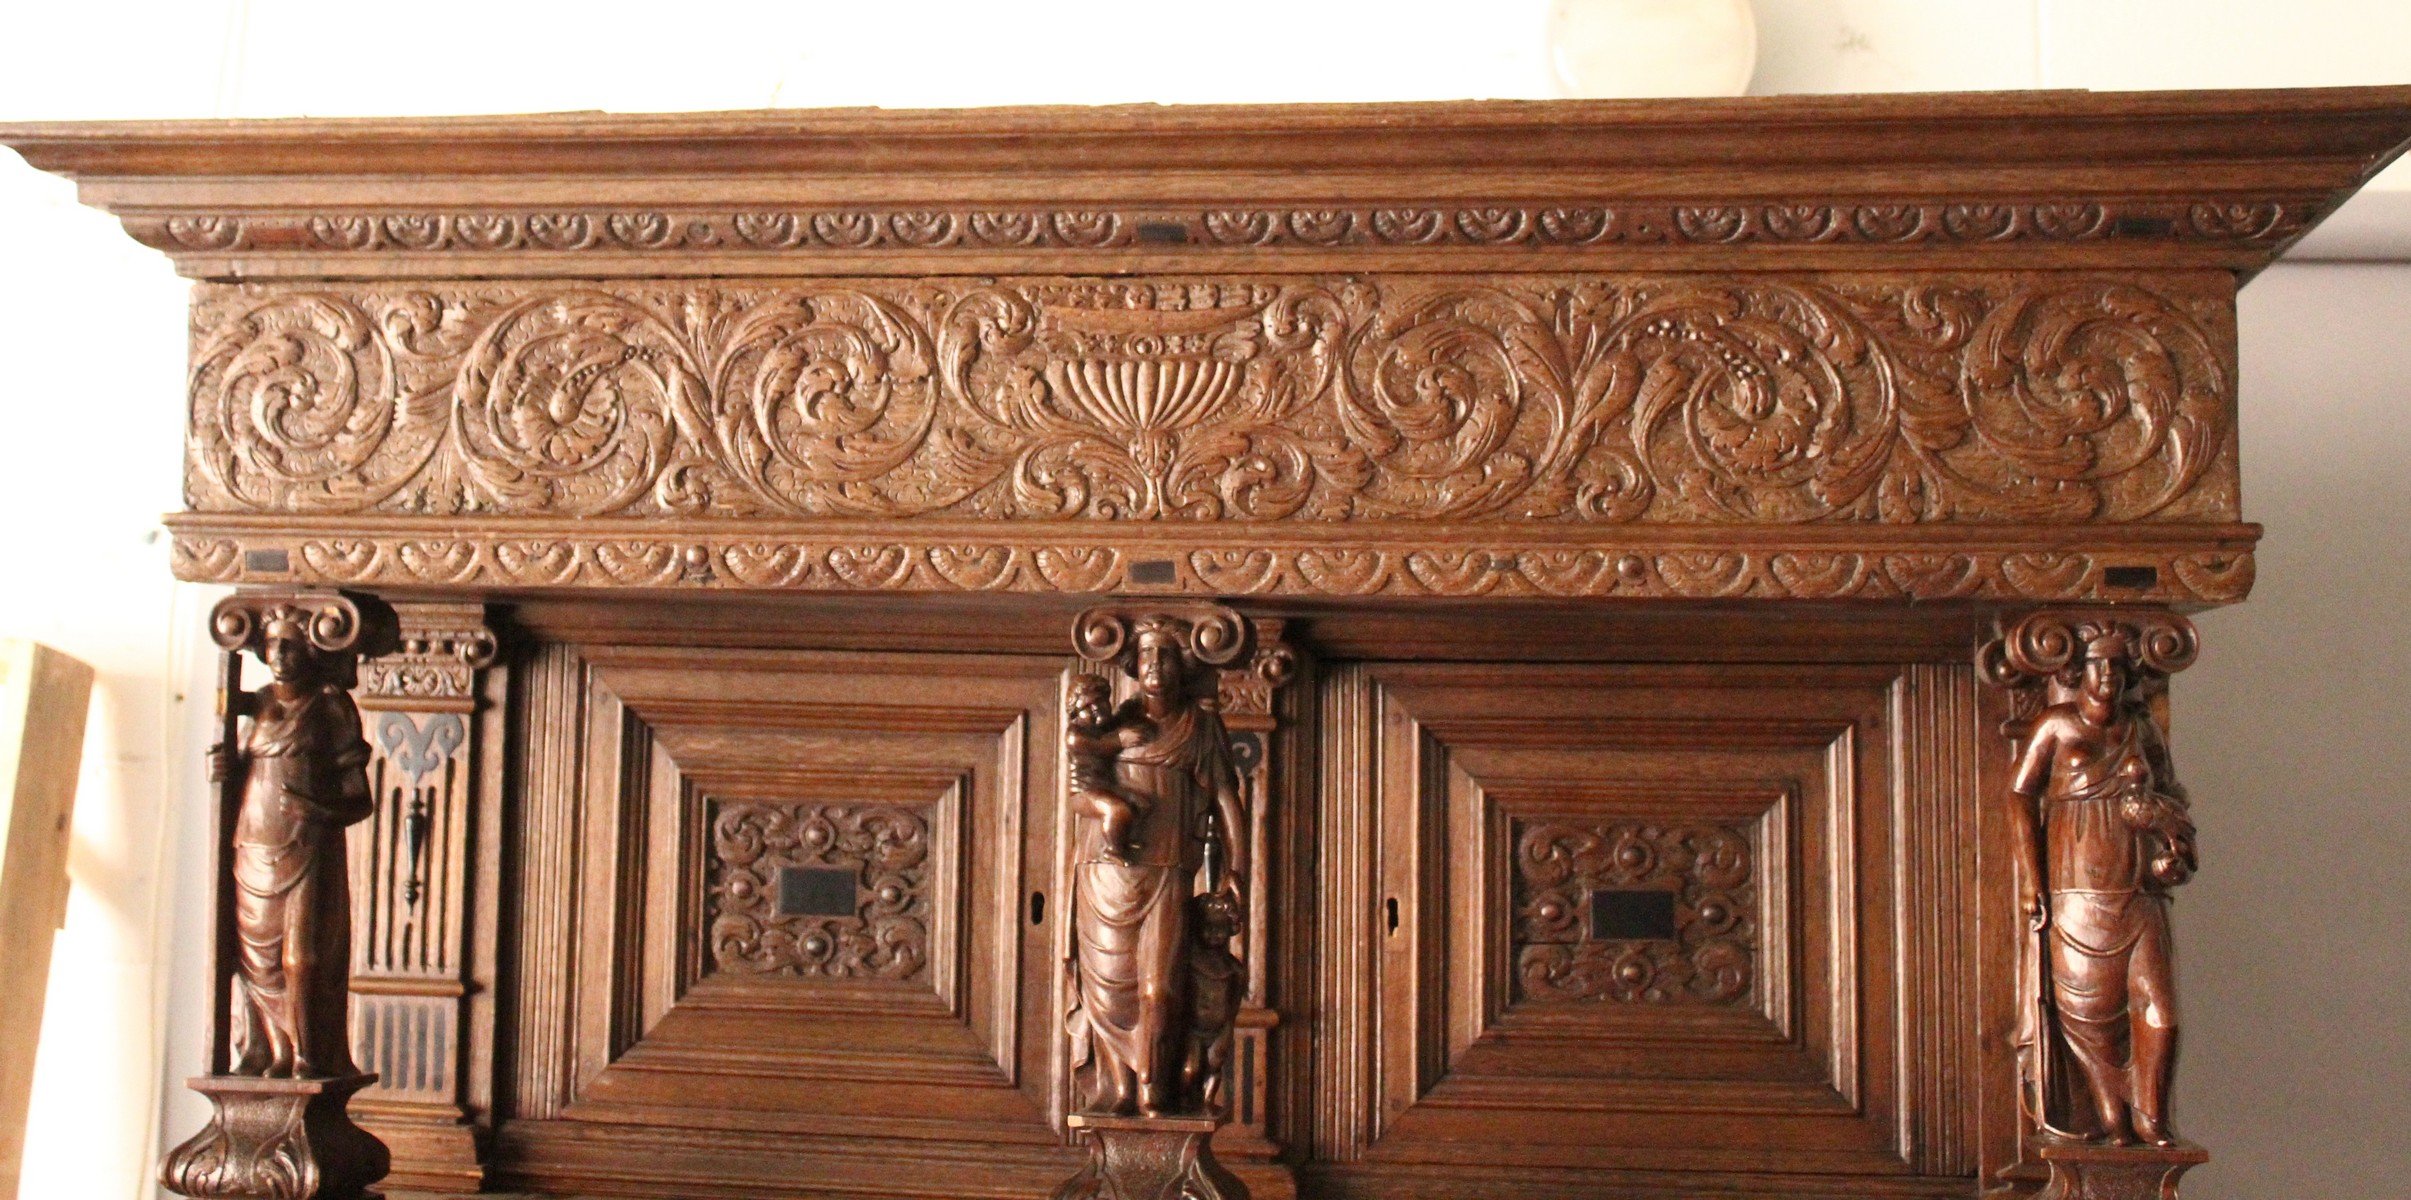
(1905, 347)
(1992, 180)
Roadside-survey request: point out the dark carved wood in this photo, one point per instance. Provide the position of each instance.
(276, 1139)
(293, 768)
(414, 979)
(2100, 831)
(1562, 535)
(1149, 1158)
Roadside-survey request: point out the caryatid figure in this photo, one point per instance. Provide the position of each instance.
(2101, 834)
(1165, 833)
(300, 778)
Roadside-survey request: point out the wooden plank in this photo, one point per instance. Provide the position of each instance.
(43, 697)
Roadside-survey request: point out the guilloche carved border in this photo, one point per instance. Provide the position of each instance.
(2252, 221)
(1326, 402)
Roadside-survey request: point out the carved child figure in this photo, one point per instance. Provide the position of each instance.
(1091, 742)
(1216, 984)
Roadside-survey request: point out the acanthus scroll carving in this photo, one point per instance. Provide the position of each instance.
(1501, 399)
(2102, 832)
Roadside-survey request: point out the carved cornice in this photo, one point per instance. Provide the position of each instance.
(2264, 220)
(1596, 400)
(2161, 564)
(2200, 179)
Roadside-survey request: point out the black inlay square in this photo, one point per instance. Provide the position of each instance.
(1170, 232)
(816, 892)
(2130, 577)
(1154, 570)
(1629, 915)
(267, 561)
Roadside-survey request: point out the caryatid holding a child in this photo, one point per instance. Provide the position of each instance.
(1159, 860)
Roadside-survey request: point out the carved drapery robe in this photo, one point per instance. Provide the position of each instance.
(1130, 1024)
(2108, 855)
(304, 780)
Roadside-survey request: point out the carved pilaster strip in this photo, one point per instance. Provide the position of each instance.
(1250, 696)
(410, 871)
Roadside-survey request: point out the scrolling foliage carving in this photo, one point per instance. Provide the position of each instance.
(885, 847)
(1706, 868)
(1847, 398)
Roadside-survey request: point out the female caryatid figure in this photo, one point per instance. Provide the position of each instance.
(302, 778)
(2103, 833)
(1132, 1020)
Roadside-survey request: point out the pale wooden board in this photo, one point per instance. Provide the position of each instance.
(43, 698)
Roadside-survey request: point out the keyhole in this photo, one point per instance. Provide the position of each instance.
(1392, 905)
(1037, 908)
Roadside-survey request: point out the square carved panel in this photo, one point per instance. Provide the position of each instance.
(793, 896)
(1661, 911)
(1647, 919)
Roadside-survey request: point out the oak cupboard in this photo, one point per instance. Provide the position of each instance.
(1684, 594)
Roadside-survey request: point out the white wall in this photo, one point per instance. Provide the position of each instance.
(2296, 968)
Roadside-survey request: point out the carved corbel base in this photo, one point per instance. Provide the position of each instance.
(277, 1139)
(2085, 1171)
(1149, 1158)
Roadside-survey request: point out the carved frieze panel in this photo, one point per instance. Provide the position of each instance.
(1587, 400)
(1567, 879)
(880, 852)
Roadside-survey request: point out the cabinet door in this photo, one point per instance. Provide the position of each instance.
(781, 913)
(1648, 920)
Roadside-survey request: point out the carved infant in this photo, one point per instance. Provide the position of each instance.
(1216, 985)
(1090, 742)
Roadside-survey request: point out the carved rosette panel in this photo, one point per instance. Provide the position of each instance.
(1709, 869)
(885, 847)
(1503, 398)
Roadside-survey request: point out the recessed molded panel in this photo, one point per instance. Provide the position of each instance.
(1650, 919)
(798, 896)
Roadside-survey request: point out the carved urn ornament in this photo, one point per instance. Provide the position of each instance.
(1619, 649)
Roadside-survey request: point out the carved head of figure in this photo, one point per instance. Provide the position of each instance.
(1217, 918)
(1159, 662)
(1173, 651)
(2108, 649)
(305, 637)
(285, 645)
(1088, 703)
